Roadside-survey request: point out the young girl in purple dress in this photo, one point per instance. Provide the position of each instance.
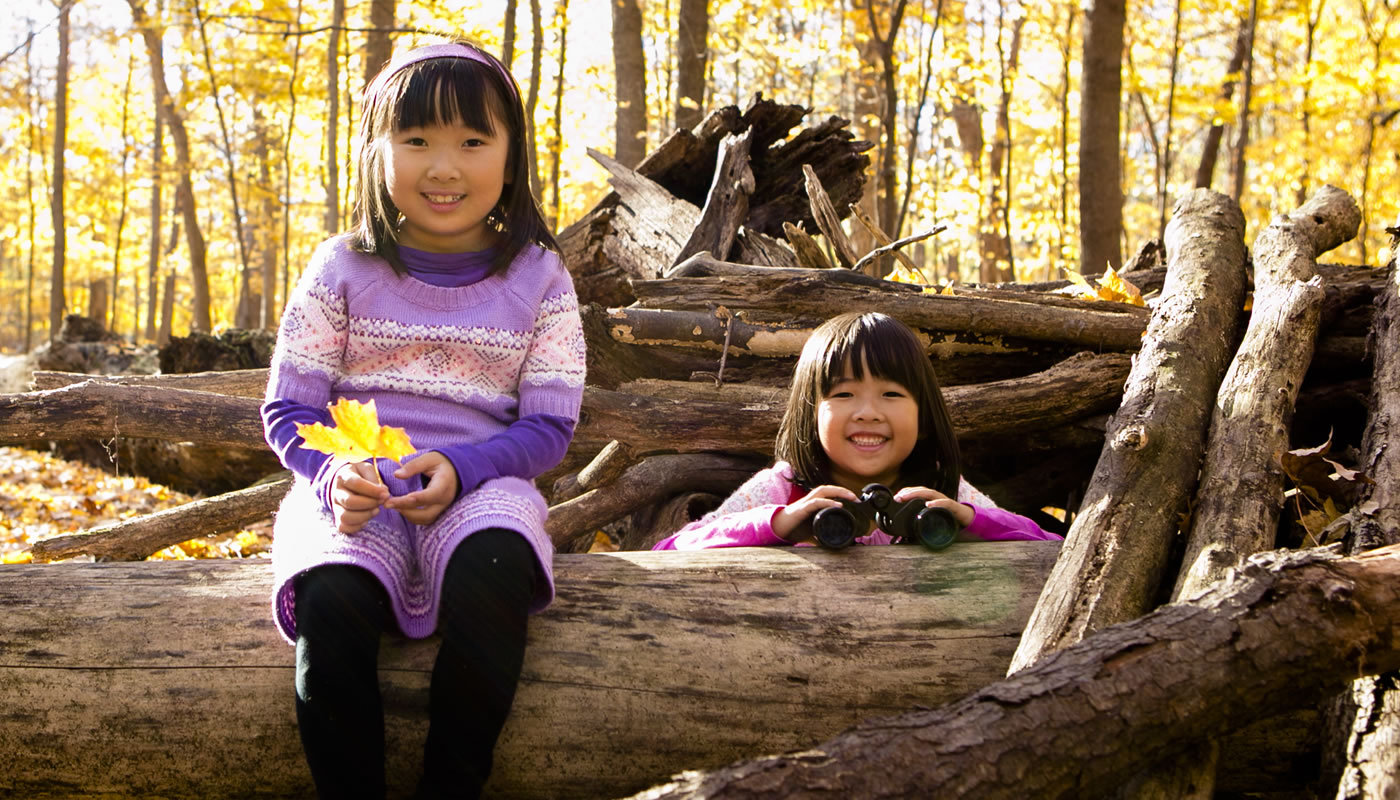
(864, 408)
(447, 306)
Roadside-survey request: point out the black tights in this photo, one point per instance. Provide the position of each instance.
(341, 612)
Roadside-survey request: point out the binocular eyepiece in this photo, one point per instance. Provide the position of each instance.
(907, 523)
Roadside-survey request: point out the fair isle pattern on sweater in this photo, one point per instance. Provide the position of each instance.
(450, 365)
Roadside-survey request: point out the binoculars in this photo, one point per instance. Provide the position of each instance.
(907, 522)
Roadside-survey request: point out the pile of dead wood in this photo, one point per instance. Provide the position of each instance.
(1159, 429)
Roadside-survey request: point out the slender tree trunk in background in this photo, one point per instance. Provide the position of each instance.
(121, 213)
(1066, 61)
(245, 307)
(267, 223)
(60, 137)
(866, 114)
(1100, 192)
(332, 223)
(153, 245)
(556, 144)
(1237, 167)
(1377, 33)
(184, 190)
(1211, 150)
(996, 229)
(692, 35)
(508, 35)
(287, 159)
(630, 61)
(1164, 186)
(532, 96)
(1311, 19)
(889, 134)
(30, 128)
(379, 46)
(915, 115)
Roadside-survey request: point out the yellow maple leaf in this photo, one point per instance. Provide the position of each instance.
(357, 434)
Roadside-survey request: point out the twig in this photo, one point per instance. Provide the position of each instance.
(895, 245)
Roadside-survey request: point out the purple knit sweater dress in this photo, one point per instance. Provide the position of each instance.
(453, 366)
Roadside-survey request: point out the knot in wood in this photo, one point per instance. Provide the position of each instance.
(1131, 438)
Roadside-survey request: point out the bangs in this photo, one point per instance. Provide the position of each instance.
(891, 354)
(446, 91)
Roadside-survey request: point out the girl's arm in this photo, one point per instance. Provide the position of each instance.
(993, 524)
(751, 527)
(527, 448)
(744, 519)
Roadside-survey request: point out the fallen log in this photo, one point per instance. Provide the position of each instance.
(135, 539)
(167, 679)
(98, 407)
(816, 295)
(1286, 631)
(1240, 496)
(1118, 547)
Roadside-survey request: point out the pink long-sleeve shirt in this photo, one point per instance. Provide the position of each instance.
(745, 519)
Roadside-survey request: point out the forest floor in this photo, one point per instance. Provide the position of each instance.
(42, 495)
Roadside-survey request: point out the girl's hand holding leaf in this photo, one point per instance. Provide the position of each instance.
(359, 440)
(355, 499)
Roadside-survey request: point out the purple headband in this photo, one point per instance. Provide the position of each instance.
(448, 50)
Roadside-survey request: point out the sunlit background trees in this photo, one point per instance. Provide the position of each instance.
(974, 111)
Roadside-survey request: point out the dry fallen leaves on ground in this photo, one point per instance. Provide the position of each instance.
(42, 496)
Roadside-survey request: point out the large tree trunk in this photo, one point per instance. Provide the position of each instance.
(1286, 631)
(168, 680)
(1117, 549)
(629, 59)
(1100, 192)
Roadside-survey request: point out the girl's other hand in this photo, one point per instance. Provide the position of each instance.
(356, 494)
(961, 512)
(424, 506)
(793, 522)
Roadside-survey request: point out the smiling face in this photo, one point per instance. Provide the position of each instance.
(445, 179)
(867, 426)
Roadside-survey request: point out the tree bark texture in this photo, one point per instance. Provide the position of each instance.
(1371, 736)
(1284, 632)
(727, 205)
(1240, 497)
(167, 679)
(1241, 491)
(819, 296)
(1117, 549)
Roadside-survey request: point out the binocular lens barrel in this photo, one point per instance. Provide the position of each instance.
(936, 528)
(834, 528)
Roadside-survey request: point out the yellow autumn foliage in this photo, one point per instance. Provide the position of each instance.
(357, 434)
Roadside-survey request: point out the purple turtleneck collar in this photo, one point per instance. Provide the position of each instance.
(447, 269)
